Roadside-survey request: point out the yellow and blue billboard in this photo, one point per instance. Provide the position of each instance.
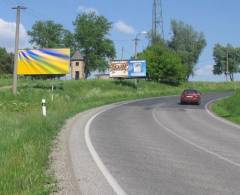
(43, 61)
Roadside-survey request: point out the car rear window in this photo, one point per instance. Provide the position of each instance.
(190, 91)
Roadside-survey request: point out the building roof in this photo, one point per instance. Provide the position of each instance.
(77, 56)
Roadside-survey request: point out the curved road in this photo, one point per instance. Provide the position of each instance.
(160, 147)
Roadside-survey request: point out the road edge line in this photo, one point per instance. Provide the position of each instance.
(192, 143)
(106, 173)
(212, 114)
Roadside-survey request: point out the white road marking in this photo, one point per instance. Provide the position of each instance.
(192, 143)
(111, 180)
(217, 117)
(106, 173)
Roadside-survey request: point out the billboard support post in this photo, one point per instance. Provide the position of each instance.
(136, 83)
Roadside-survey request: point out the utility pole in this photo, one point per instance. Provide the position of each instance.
(227, 68)
(122, 53)
(136, 44)
(18, 8)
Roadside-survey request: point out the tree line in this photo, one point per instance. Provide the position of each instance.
(174, 61)
(90, 36)
(171, 61)
(6, 61)
(227, 60)
(168, 61)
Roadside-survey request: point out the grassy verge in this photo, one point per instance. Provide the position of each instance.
(26, 137)
(228, 108)
(5, 80)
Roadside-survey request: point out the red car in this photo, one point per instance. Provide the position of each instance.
(190, 96)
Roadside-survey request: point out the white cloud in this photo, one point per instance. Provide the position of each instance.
(7, 35)
(123, 27)
(83, 9)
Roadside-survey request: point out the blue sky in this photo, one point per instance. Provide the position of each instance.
(218, 20)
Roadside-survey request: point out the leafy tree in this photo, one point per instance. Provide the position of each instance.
(68, 41)
(187, 43)
(6, 61)
(163, 64)
(91, 33)
(49, 35)
(227, 60)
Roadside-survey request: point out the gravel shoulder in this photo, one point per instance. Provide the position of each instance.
(71, 162)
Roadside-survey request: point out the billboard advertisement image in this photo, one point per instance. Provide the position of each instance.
(119, 69)
(43, 61)
(137, 68)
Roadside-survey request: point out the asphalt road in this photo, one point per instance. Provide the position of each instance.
(161, 147)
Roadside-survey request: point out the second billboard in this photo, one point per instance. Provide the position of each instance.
(128, 69)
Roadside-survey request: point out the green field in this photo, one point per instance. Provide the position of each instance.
(6, 80)
(26, 136)
(228, 108)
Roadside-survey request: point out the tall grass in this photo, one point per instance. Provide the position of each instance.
(228, 108)
(26, 136)
(5, 80)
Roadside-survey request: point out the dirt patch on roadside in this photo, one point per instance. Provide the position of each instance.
(61, 163)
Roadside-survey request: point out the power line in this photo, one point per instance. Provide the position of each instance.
(7, 3)
(38, 14)
(122, 40)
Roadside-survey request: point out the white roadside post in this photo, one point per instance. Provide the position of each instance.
(52, 92)
(44, 109)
